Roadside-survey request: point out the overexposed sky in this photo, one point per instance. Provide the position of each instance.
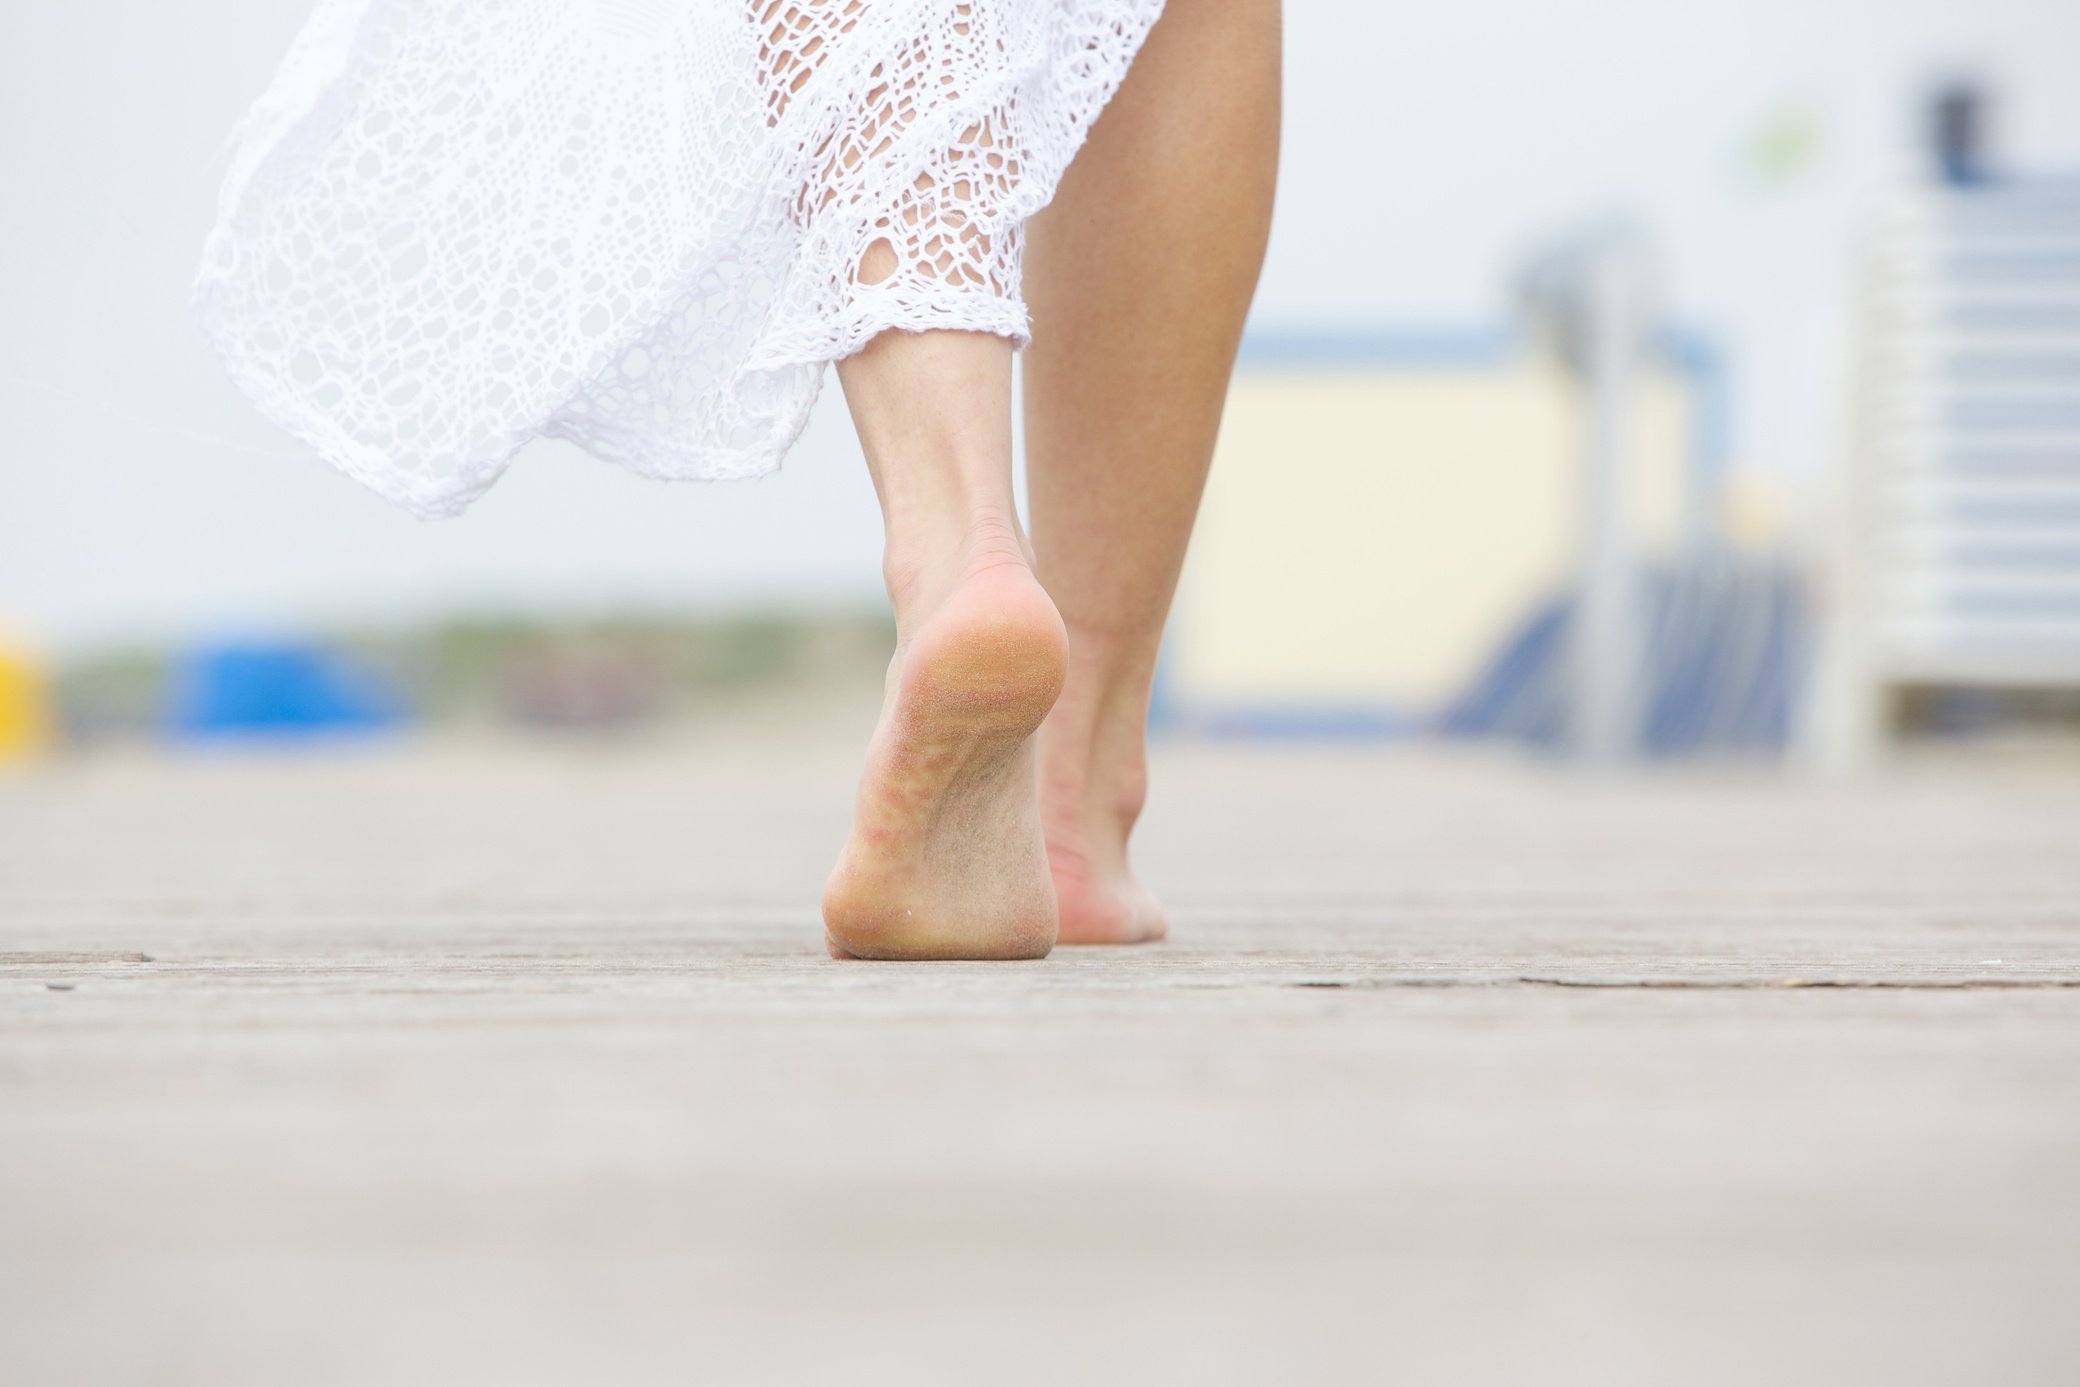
(1429, 148)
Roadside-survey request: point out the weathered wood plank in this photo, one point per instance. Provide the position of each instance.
(477, 1064)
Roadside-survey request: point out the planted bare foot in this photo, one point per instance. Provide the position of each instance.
(946, 858)
(1093, 779)
(1099, 898)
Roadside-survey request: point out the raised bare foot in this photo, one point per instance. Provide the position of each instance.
(946, 857)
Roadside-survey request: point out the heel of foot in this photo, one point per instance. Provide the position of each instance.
(1116, 909)
(864, 919)
(996, 661)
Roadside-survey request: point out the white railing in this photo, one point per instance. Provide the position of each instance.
(1959, 558)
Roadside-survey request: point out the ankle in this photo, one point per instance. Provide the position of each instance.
(1091, 789)
(925, 560)
(1096, 738)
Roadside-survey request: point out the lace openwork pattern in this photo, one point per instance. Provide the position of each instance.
(450, 226)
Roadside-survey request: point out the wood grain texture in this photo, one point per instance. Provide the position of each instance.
(452, 1063)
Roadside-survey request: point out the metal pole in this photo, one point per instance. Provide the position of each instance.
(1606, 653)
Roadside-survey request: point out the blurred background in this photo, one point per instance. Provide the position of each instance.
(1684, 387)
(1626, 379)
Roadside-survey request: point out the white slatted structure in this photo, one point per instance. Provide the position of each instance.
(1962, 556)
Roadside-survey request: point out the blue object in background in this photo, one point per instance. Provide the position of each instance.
(275, 688)
(1723, 656)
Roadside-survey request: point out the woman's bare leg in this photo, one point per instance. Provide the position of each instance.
(1138, 277)
(946, 857)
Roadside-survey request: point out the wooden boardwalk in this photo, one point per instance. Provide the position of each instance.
(449, 1065)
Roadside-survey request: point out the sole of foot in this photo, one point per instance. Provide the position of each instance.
(946, 859)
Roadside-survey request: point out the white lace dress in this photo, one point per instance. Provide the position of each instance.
(452, 225)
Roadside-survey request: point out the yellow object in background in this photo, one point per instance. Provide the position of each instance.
(1373, 535)
(25, 715)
